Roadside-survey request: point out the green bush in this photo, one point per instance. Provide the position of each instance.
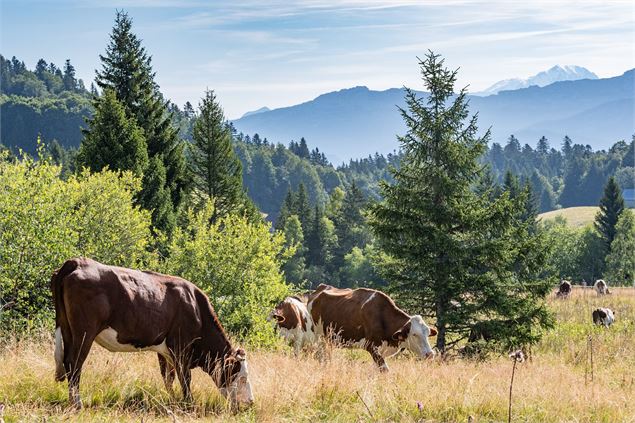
(237, 264)
(45, 220)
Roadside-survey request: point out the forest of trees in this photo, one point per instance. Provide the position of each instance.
(447, 225)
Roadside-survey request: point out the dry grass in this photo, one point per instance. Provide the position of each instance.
(550, 387)
(576, 216)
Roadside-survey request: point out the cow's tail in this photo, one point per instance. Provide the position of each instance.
(62, 328)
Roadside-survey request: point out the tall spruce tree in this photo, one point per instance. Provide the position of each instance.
(112, 139)
(448, 253)
(215, 168)
(302, 208)
(611, 207)
(127, 70)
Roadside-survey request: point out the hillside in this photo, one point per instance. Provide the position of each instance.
(576, 216)
(357, 121)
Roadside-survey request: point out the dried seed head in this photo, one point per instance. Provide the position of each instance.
(517, 356)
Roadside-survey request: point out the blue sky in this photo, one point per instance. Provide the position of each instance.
(279, 53)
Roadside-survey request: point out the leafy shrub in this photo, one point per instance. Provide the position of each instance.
(237, 264)
(45, 220)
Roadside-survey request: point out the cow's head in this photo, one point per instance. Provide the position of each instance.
(276, 315)
(414, 336)
(234, 381)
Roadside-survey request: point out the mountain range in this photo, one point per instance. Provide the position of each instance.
(356, 122)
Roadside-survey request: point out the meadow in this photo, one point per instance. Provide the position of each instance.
(555, 385)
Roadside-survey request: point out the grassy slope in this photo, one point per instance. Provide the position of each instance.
(550, 387)
(576, 216)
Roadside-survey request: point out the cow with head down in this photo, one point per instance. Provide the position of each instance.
(603, 316)
(369, 319)
(601, 287)
(294, 322)
(126, 310)
(564, 290)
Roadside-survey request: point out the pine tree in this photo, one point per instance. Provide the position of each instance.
(465, 259)
(40, 68)
(215, 168)
(112, 139)
(511, 184)
(571, 195)
(303, 149)
(302, 208)
(350, 222)
(70, 82)
(543, 146)
(611, 207)
(127, 70)
(591, 185)
(286, 209)
(567, 147)
(156, 196)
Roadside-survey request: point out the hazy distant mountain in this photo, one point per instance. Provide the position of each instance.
(355, 122)
(254, 112)
(555, 74)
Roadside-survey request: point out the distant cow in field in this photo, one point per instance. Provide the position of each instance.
(603, 317)
(126, 310)
(601, 287)
(564, 290)
(368, 319)
(294, 322)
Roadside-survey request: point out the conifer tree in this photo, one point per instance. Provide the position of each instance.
(448, 253)
(302, 208)
(112, 139)
(215, 168)
(286, 210)
(127, 70)
(611, 207)
(70, 83)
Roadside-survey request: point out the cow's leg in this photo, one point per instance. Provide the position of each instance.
(185, 378)
(297, 346)
(377, 358)
(74, 361)
(168, 373)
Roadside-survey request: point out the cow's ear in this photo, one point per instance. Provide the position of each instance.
(402, 333)
(433, 332)
(279, 318)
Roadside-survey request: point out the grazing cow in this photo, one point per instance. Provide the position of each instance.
(126, 310)
(603, 317)
(368, 319)
(564, 290)
(601, 287)
(294, 322)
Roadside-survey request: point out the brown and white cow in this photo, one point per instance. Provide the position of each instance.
(294, 322)
(564, 289)
(368, 319)
(126, 310)
(601, 287)
(603, 317)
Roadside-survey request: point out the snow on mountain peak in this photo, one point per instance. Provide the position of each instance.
(554, 74)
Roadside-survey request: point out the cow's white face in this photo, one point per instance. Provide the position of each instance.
(417, 340)
(238, 391)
